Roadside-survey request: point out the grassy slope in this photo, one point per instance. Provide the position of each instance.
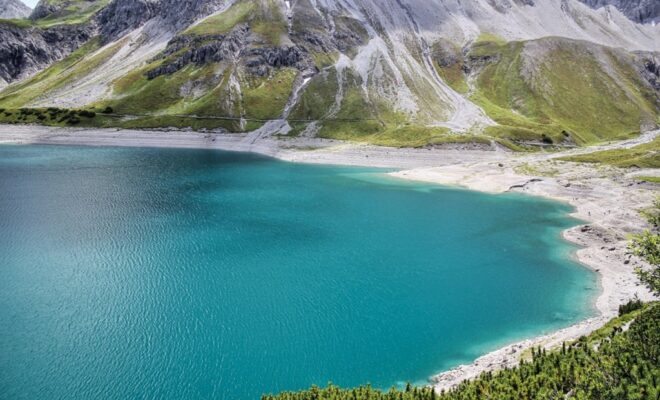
(224, 22)
(264, 18)
(360, 118)
(449, 64)
(642, 156)
(166, 97)
(569, 93)
(608, 364)
(260, 98)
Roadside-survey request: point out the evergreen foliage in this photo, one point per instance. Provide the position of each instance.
(647, 246)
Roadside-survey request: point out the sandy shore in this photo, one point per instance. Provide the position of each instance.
(608, 199)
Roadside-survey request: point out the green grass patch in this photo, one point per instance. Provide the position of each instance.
(181, 122)
(17, 23)
(485, 37)
(138, 95)
(264, 17)
(224, 22)
(642, 156)
(449, 63)
(568, 95)
(377, 133)
(265, 98)
(649, 179)
(208, 95)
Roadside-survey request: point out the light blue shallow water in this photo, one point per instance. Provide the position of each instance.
(171, 274)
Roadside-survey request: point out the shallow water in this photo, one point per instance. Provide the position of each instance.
(161, 273)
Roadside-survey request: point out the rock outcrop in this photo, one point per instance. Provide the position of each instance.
(200, 50)
(234, 47)
(25, 51)
(13, 9)
(121, 16)
(643, 11)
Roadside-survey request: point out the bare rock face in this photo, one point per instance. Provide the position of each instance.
(181, 13)
(235, 47)
(650, 69)
(201, 50)
(121, 16)
(643, 11)
(24, 51)
(260, 60)
(13, 9)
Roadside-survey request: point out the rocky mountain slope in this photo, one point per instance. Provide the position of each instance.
(419, 72)
(10, 9)
(644, 11)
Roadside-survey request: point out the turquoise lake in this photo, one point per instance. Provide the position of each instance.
(192, 274)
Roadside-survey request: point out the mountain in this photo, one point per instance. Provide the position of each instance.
(408, 73)
(10, 9)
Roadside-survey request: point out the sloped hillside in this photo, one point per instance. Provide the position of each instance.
(571, 92)
(384, 71)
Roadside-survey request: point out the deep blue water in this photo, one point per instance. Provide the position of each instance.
(185, 274)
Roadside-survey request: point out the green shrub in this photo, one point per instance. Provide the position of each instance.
(630, 306)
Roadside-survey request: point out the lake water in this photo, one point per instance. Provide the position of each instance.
(172, 274)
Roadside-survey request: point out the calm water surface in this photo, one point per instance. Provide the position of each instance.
(170, 274)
